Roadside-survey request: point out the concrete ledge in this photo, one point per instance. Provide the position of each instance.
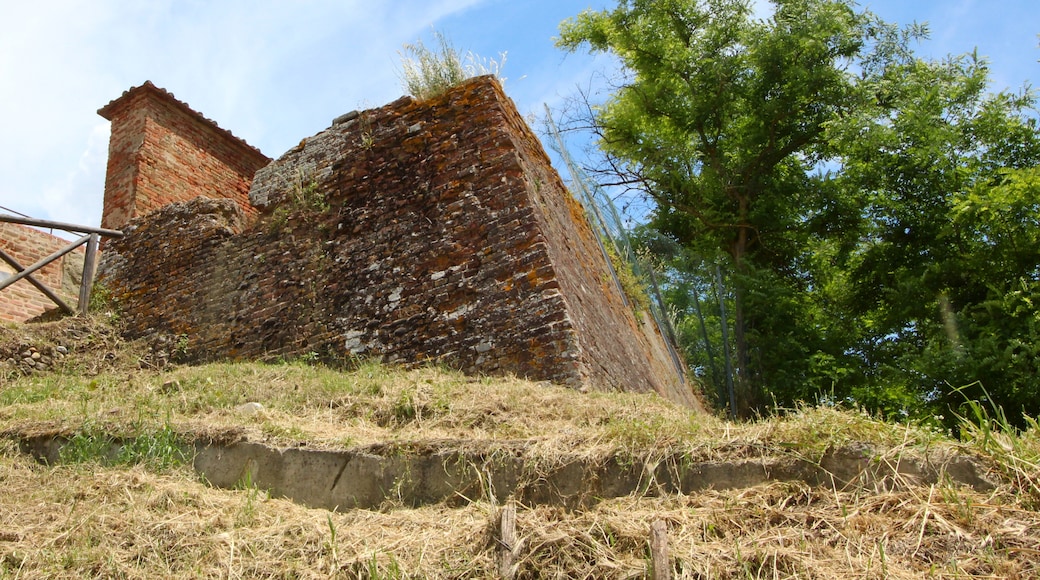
(450, 471)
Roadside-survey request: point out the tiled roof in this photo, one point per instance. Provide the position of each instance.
(109, 110)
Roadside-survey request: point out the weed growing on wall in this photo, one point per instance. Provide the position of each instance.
(368, 139)
(427, 73)
(307, 195)
(631, 285)
(278, 220)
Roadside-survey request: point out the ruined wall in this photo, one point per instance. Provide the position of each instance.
(417, 232)
(27, 245)
(161, 152)
(604, 324)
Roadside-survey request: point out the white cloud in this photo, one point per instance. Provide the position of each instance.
(275, 71)
(74, 195)
(270, 71)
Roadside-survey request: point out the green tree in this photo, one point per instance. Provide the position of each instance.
(948, 249)
(871, 209)
(993, 343)
(721, 122)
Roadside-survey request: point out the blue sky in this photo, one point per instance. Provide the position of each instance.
(275, 71)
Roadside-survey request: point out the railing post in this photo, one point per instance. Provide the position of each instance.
(89, 270)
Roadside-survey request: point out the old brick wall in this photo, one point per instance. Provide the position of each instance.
(161, 152)
(22, 301)
(627, 351)
(417, 232)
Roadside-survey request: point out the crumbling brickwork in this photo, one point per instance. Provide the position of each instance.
(161, 152)
(431, 231)
(22, 301)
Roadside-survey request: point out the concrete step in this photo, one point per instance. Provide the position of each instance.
(428, 472)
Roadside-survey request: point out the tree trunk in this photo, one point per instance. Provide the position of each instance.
(745, 400)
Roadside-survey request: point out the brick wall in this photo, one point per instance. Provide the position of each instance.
(628, 352)
(417, 232)
(161, 152)
(22, 301)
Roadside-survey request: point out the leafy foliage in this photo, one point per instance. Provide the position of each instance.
(866, 219)
(945, 266)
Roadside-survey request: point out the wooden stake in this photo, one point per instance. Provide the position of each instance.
(659, 551)
(508, 546)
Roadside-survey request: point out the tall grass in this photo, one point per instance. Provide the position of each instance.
(1016, 452)
(160, 451)
(428, 72)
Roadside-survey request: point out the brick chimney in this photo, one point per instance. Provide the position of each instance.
(161, 151)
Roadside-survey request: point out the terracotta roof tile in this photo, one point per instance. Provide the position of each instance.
(109, 110)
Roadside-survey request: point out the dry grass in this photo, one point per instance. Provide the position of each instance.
(89, 520)
(76, 522)
(377, 404)
(73, 522)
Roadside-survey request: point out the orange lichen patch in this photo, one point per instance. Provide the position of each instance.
(577, 213)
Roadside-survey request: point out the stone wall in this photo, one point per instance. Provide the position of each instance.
(22, 301)
(418, 232)
(161, 152)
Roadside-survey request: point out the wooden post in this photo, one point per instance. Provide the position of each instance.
(508, 545)
(660, 559)
(89, 270)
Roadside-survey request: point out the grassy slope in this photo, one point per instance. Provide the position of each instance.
(154, 519)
